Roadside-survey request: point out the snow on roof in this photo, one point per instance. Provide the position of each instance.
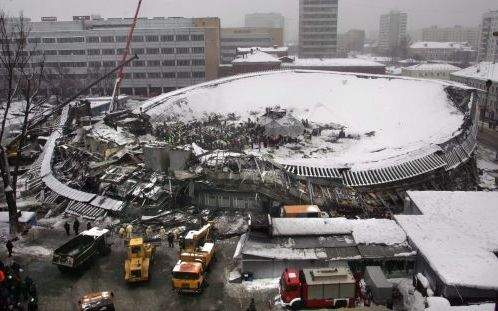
(481, 71)
(257, 57)
(264, 49)
(411, 114)
(474, 213)
(332, 62)
(364, 231)
(440, 45)
(433, 67)
(457, 234)
(442, 304)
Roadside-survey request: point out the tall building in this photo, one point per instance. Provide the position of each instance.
(318, 28)
(248, 37)
(451, 34)
(488, 45)
(264, 20)
(353, 40)
(173, 52)
(460, 52)
(392, 31)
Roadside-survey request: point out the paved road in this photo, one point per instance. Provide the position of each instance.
(60, 291)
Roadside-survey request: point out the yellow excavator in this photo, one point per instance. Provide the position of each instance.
(140, 257)
(189, 273)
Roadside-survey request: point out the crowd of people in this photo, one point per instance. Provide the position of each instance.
(15, 293)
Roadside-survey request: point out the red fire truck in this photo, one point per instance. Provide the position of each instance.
(318, 288)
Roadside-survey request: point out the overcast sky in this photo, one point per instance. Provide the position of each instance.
(360, 14)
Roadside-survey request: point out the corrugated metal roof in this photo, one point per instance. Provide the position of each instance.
(311, 171)
(107, 203)
(65, 191)
(84, 210)
(382, 251)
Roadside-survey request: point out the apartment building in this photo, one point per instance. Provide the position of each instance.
(392, 30)
(248, 37)
(173, 52)
(318, 28)
(443, 51)
(264, 20)
(488, 45)
(451, 34)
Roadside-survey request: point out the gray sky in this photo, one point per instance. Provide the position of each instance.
(361, 14)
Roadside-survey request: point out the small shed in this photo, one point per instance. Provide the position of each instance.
(381, 289)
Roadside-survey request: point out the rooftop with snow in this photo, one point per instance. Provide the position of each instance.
(433, 67)
(457, 235)
(441, 45)
(480, 71)
(411, 116)
(331, 62)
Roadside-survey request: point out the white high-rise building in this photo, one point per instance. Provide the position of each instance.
(451, 34)
(392, 30)
(318, 28)
(488, 45)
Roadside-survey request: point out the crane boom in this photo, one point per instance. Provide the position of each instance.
(119, 76)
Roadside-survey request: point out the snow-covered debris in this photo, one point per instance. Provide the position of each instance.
(364, 231)
(442, 304)
(410, 114)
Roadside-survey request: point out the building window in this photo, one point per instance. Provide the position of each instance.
(197, 37)
(50, 52)
(107, 39)
(34, 40)
(138, 63)
(72, 52)
(152, 38)
(108, 52)
(198, 74)
(182, 38)
(35, 53)
(183, 75)
(169, 75)
(127, 75)
(92, 39)
(109, 64)
(71, 40)
(137, 51)
(48, 40)
(153, 51)
(167, 51)
(94, 64)
(121, 38)
(138, 39)
(139, 75)
(168, 63)
(198, 50)
(182, 50)
(120, 51)
(167, 38)
(153, 63)
(183, 62)
(93, 52)
(154, 75)
(198, 62)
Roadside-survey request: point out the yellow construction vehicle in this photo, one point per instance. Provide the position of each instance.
(189, 273)
(140, 257)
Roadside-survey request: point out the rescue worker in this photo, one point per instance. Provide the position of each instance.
(28, 282)
(9, 246)
(252, 305)
(129, 231)
(122, 232)
(67, 227)
(76, 226)
(88, 226)
(171, 239)
(162, 233)
(32, 304)
(148, 232)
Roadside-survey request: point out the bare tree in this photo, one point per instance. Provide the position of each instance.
(22, 79)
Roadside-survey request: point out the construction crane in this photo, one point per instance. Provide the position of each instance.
(114, 101)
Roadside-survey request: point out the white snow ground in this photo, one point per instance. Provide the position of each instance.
(407, 115)
(489, 167)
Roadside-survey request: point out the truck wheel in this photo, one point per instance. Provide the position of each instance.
(296, 304)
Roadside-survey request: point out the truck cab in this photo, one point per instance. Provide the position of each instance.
(188, 277)
(290, 286)
(139, 259)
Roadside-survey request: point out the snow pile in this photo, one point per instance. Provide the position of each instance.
(410, 114)
(256, 57)
(412, 299)
(364, 231)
